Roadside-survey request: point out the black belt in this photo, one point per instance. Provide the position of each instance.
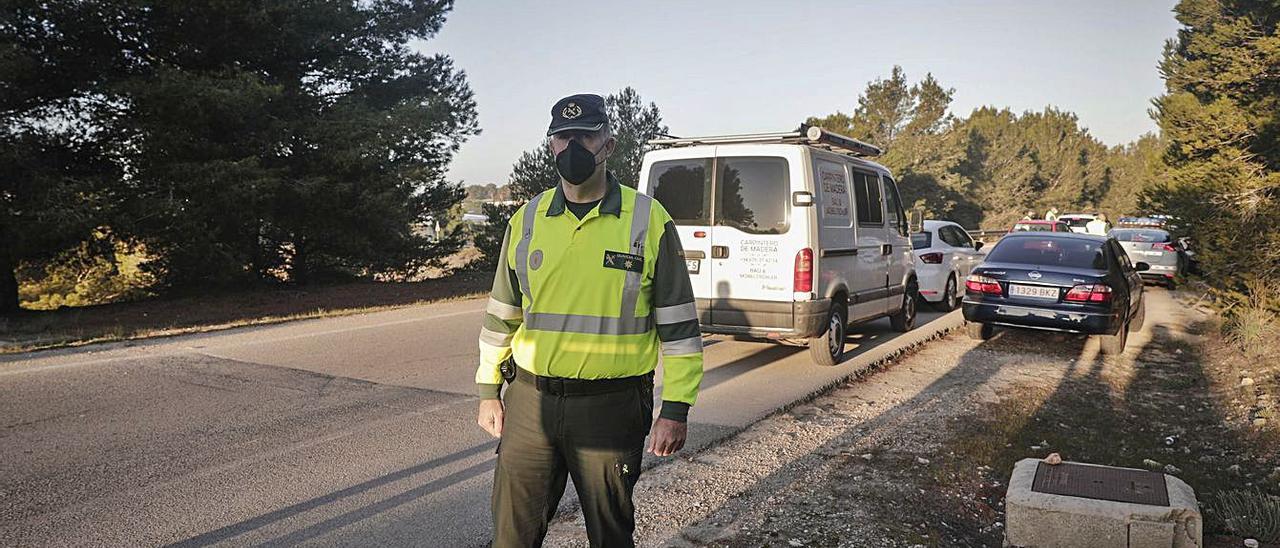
(559, 386)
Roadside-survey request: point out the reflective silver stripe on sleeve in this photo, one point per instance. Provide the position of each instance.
(639, 230)
(675, 313)
(494, 338)
(522, 248)
(503, 311)
(691, 345)
(593, 325)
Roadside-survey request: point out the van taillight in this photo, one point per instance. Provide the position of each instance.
(803, 280)
(1089, 293)
(1164, 247)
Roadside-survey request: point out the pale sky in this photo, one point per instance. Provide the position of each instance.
(743, 66)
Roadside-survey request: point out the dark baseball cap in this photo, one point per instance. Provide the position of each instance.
(583, 112)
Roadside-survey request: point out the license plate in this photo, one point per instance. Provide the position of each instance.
(1154, 253)
(692, 265)
(1035, 291)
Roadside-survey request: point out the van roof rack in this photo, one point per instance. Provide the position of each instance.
(805, 135)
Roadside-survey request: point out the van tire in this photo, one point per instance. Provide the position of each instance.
(950, 296)
(1113, 345)
(828, 348)
(979, 331)
(904, 319)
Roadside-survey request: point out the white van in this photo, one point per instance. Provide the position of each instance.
(787, 236)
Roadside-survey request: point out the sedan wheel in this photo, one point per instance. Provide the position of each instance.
(950, 296)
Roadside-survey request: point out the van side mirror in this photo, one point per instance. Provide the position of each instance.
(1141, 266)
(916, 224)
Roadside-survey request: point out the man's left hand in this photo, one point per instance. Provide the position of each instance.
(667, 437)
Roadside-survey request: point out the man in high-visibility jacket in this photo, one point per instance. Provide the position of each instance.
(591, 289)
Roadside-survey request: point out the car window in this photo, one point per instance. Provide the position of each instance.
(683, 187)
(866, 188)
(753, 194)
(1032, 227)
(1122, 257)
(948, 234)
(1071, 253)
(893, 205)
(1061, 227)
(1140, 235)
(921, 240)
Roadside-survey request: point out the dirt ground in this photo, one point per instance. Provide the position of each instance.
(917, 454)
(220, 310)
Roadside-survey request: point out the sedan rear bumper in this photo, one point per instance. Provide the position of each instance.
(1090, 323)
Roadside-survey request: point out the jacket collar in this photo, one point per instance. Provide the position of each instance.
(611, 203)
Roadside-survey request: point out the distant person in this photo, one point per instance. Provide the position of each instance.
(1098, 225)
(591, 290)
(1031, 214)
(1051, 215)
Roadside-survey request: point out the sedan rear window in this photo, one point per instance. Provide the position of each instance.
(921, 240)
(1140, 235)
(1032, 227)
(1070, 253)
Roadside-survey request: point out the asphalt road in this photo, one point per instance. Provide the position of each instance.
(342, 431)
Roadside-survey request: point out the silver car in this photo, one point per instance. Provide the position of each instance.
(1157, 248)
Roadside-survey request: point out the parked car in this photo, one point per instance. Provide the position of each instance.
(1158, 248)
(789, 236)
(1076, 283)
(1037, 225)
(944, 256)
(1077, 222)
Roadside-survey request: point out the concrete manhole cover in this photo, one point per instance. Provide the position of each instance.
(1102, 483)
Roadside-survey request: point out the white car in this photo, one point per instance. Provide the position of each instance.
(1077, 222)
(944, 254)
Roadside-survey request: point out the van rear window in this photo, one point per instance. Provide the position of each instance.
(683, 187)
(753, 194)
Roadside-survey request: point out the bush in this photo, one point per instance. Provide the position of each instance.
(1250, 514)
(101, 270)
(488, 237)
(1252, 325)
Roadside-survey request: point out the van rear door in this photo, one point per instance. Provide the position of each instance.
(683, 187)
(753, 257)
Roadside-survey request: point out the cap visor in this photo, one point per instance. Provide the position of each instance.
(577, 127)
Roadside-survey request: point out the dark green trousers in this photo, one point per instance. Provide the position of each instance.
(598, 440)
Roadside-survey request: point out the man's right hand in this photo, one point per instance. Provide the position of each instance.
(490, 418)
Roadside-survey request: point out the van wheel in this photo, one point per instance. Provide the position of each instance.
(828, 348)
(979, 331)
(950, 296)
(904, 319)
(1113, 345)
(1140, 318)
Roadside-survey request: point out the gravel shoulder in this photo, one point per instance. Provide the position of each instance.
(917, 452)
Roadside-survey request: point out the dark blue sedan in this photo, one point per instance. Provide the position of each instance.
(1057, 281)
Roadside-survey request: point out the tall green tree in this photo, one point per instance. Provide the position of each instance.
(1220, 117)
(306, 138)
(634, 125)
(56, 58)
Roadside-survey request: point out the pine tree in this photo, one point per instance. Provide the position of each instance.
(1220, 117)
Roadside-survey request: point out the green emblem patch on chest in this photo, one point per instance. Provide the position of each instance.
(623, 261)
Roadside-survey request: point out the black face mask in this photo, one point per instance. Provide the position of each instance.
(576, 163)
